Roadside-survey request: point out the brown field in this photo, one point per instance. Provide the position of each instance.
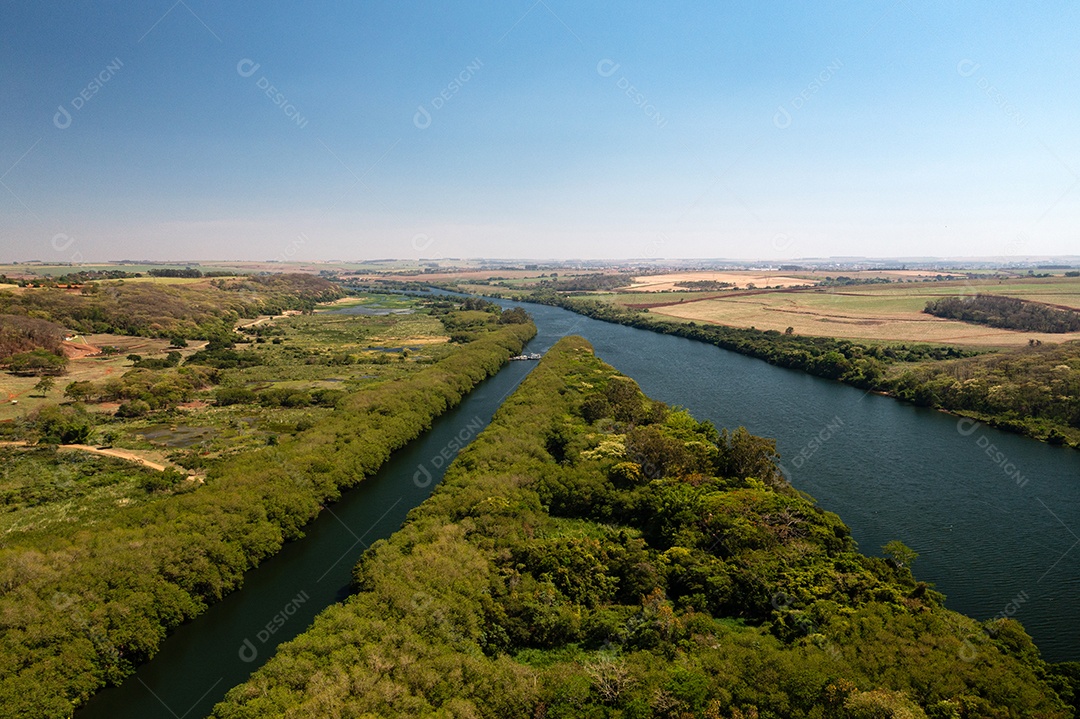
(667, 281)
(469, 275)
(876, 312)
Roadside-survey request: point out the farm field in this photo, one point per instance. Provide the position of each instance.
(890, 312)
(326, 351)
(669, 281)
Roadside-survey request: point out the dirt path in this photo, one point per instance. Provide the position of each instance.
(267, 318)
(108, 452)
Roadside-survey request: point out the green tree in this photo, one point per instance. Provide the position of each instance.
(45, 385)
(80, 391)
(900, 553)
(37, 362)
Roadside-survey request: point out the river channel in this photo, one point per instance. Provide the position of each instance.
(995, 517)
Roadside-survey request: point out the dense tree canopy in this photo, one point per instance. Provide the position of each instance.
(1006, 312)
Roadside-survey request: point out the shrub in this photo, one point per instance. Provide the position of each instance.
(134, 408)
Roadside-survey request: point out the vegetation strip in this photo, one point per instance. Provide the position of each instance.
(594, 553)
(83, 609)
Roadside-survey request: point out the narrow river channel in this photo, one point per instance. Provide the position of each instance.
(995, 517)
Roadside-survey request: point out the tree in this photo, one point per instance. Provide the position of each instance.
(63, 425)
(901, 554)
(133, 409)
(178, 341)
(45, 385)
(37, 362)
(80, 391)
(516, 316)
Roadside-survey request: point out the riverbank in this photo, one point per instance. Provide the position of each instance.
(929, 378)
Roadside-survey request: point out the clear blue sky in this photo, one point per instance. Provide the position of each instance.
(538, 128)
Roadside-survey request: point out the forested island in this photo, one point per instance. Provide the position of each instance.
(597, 553)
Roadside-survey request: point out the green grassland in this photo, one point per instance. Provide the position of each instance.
(332, 353)
(41, 487)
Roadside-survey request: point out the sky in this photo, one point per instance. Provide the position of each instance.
(548, 129)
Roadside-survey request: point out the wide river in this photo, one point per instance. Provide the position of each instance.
(995, 517)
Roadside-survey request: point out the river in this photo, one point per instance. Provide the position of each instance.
(995, 517)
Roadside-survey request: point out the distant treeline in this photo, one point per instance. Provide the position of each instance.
(189, 272)
(81, 608)
(587, 283)
(1007, 313)
(171, 310)
(704, 285)
(81, 277)
(594, 553)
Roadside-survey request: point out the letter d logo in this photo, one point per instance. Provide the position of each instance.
(782, 118)
(967, 68)
(607, 68)
(246, 67)
(422, 477)
(422, 118)
(62, 119)
(248, 652)
(966, 426)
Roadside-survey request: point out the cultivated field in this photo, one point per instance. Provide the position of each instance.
(669, 281)
(868, 312)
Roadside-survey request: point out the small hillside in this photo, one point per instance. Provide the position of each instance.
(153, 309)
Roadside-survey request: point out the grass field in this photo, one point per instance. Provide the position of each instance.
(17, 394)
(891, 312)
(40, 488)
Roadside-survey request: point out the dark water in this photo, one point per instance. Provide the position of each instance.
(993, 542)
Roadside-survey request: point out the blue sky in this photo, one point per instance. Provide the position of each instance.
(544, 129)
